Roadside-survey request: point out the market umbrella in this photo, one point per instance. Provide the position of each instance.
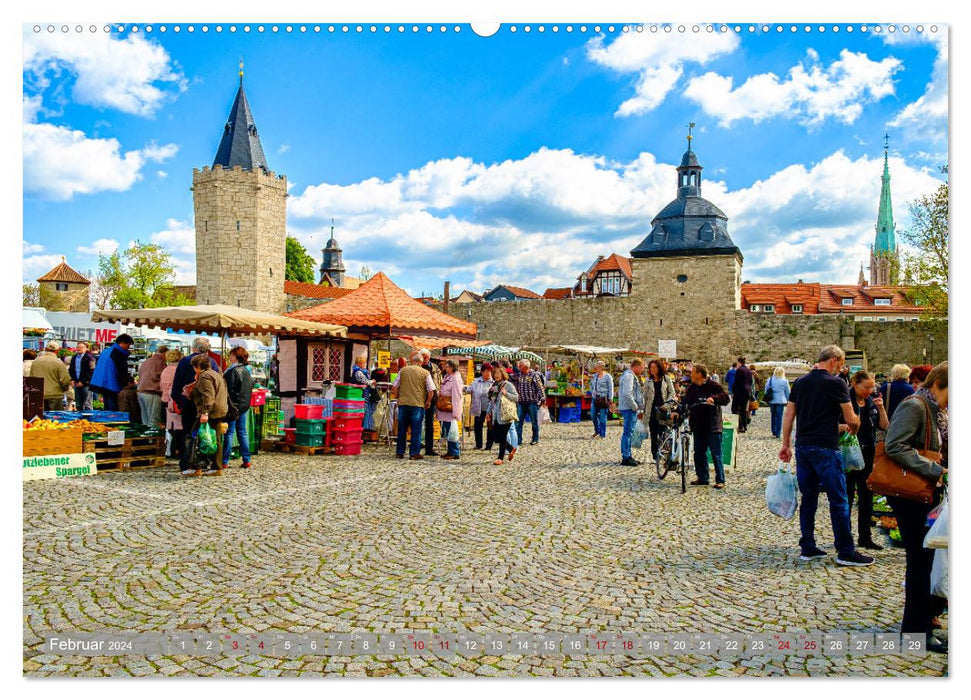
(527, 355)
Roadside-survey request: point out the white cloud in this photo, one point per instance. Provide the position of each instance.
(132, 75)
(32, 105)
(36, 265)
(284, 147)
(927, 117)
(161, 174)
(102, 246)
(658, 60)
(60, 162)
(539, 220)
(32, 248)
(178, 237)
(809, 93)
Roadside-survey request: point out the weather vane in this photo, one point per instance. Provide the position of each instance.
(240, 69)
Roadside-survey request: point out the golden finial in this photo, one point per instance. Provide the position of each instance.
(240, 70)
(691, 125)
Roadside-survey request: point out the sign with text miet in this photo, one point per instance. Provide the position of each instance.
(59, 466)
(667, 348)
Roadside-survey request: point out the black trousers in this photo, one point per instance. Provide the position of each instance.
(178, 443)
(498, 435)
(477, 426)
(856, 485)
(912, 522)
(430, 429)
(189, 418)
(656, 431)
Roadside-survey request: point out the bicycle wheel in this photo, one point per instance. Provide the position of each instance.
(663, 461)
(685, 451)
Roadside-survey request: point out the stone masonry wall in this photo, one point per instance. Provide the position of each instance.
(77, 298)
(624, 322)
(240, 221)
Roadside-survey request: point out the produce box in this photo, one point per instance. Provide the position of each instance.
(311, 427)
(310, 440)
(60, 441)
(349, 391)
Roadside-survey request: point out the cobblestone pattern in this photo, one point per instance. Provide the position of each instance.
(562, 540)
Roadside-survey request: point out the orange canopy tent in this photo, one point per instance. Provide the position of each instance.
(381, 309)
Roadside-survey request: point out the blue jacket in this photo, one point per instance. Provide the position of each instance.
(184, 374)
(780, 390)
(111, 372)
(899, 389)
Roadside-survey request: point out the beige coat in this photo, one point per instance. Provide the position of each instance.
(210, 395)
(53, 371)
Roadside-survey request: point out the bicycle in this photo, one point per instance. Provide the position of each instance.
(676, 443)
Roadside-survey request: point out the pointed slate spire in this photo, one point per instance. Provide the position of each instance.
(240, 144)
(885, 239)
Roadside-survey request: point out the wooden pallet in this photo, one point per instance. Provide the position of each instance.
(304, 449)
(135, 453)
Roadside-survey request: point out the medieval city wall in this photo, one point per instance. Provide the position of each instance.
(623, 322)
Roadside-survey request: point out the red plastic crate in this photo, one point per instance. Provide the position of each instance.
(290, 436)
(344, 437)
(306, 411)
(258, 398)
(344, 422)
(348, 448)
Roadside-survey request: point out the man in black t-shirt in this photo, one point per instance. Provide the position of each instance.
(817, 402)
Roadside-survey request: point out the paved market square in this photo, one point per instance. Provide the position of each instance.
(561, 540)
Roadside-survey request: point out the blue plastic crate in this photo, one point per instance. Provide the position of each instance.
(569, 415)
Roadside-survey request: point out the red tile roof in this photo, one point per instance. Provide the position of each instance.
(314, 291)
(64, 273)
(379, 307)
(522, 292)
(614, 262)
(831, 300)
(557, 293)
(783, 296)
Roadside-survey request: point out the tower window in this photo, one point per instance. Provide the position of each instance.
(206, 226)
(60, 286)
(682, 279)
(237, 226)
(271, 272)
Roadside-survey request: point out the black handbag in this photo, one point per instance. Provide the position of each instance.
(601, 402)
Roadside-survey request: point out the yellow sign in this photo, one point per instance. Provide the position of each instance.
(384, 359)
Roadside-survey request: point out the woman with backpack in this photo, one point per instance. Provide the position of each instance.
(239, 384)
(502, 414)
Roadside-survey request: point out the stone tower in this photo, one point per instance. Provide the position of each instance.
(332, 264)
(241, 220)
(68, 285)
(688, 271)
(884, 260)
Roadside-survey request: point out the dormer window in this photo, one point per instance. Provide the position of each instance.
(881, 302)
(755, 308)
(768, 308)
(847, 301)
(797, 308)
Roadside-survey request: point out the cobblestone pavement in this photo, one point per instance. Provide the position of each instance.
(561, 540)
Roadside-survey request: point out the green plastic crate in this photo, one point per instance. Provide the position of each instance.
(311, 427)
(310, 440)
(353, 393)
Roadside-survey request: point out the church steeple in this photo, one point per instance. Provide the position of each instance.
(240, 144)
(885, 240)
(884, 263)
(332, 263)
(689, 172)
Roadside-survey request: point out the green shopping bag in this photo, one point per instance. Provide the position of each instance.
(207, 440)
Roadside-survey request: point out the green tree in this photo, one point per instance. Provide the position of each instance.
(31, 295)
(300, 265)
(141, 277)
(44, 297)
(927, 236)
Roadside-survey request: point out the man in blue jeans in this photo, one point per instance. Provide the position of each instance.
(532, 392)
(413, 388)
(630, 404)
(817, 402)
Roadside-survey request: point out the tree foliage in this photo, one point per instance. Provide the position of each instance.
(38, 295)
(300, 264)
(927, 262)
(140, 278)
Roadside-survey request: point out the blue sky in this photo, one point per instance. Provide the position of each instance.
(516, 158)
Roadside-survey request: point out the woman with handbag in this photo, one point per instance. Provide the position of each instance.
(777, 396)
(914, 444)
(601, 395)
(448, 407)
(658, 390)
(503, 412)
(868, 405)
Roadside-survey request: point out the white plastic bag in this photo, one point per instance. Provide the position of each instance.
(782, 492)
(640, 432)
(544, 415)
(936, 537)
(939, 573)
(512, 437)
(453, 431)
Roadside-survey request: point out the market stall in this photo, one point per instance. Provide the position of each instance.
(379, 311)
(567, 384)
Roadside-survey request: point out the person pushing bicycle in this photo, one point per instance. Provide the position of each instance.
(702, 402)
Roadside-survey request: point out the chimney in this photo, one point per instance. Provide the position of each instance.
(445, 307)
